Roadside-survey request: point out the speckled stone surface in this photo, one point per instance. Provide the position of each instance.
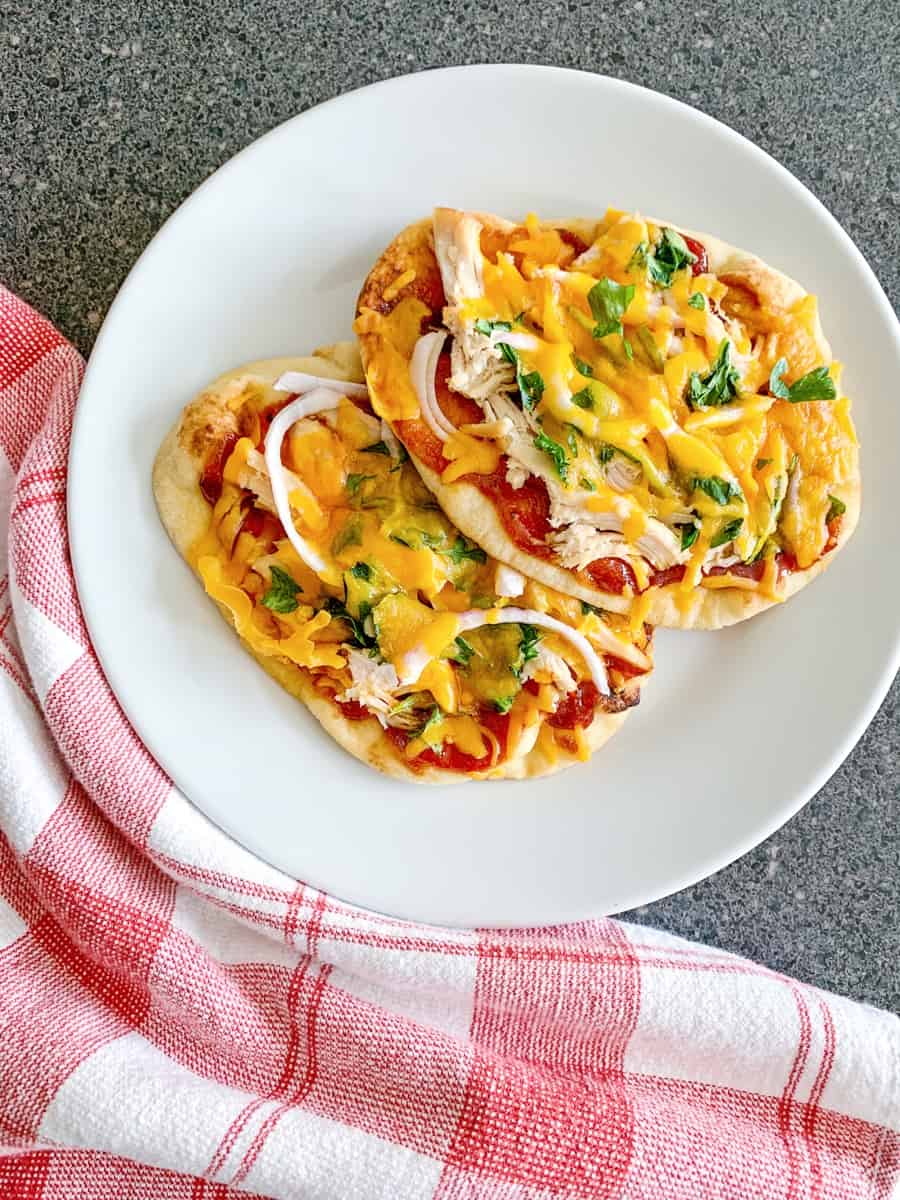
(112, 113)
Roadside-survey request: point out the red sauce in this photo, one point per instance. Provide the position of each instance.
(612, 575)
(834, 532)
(266, 417)
(626, 669)
(701, 266)
(524, 511)
(449, 757)
(577, 708)
(573, 240)
(211, 479)
(787, 563)
(353, 710)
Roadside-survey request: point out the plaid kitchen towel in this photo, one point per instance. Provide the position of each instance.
(178, 1019)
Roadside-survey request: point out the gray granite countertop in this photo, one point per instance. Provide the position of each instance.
(112, 113)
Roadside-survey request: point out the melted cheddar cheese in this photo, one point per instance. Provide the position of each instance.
(386, 636)
(673, 402)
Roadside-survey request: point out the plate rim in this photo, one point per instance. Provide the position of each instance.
(638, 896)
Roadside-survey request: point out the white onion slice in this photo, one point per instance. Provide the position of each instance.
(422, 369)
(476, 617)
(320, 399)
(508, 582)
(518, 341)
(302, 382)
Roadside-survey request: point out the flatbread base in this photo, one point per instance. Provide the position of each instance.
(185, 515)
(476, 515)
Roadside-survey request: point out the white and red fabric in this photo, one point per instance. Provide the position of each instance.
(178, 1019)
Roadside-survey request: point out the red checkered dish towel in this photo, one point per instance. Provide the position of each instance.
(178, 1019)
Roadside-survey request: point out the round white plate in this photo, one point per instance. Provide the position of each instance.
(736, 730)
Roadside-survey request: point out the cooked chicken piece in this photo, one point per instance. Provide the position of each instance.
(548, 663)
(374, 683)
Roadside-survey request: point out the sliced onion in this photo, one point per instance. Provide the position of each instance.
(508, 582)
(518, 341)
(422, 369)
(477, 617)
(301, 382)
(320, 399)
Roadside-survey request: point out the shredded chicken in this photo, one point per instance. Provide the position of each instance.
(457, 247)
(477, 368)
(374, 683)
(547, 662)
(255, 478)
(516, 474)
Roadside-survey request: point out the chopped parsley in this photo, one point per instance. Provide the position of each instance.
(555, 452)
(582, 367)
(727, 533)
(689, 535)
(836, 509)
(377, 448)
(762, 462)
(719, 386)
(361, 570)
(572, 440)
(461, 551)
(697, 300)
(355, 482)
(504, 703)
(669, 255)
(638, 258)
(608, 301)
(488, 327)
(587, 484)
(590, 608)
(626, 346)
(531, 388)
(816, 385)
(716, 488)
(281, 596)
(358, 635)
(605, 453)
(462, 652)
(528, 648)
(583, 399)
(350, 535)
(650, 348)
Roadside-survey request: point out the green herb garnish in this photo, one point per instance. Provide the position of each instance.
(727, 533)
(587, 484)
(355, 482)
(816, 385)
(531, 388)
(670, 254)
(719, 386)
(377, 448)
(358, 637)
(762, 462)
(605, 453)
(349, 535)
(556, 453)
(638, 258)
(488, 327)
(361, 570)
(716, 488)
(504, 703)
(281, 596)
(697, 300)
(608, 301)
(461, 551)
(689, 535)
(836, 509)
(462, 652)
(583, 399)
(582, 367)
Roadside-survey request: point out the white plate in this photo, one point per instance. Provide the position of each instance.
(737, 729)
